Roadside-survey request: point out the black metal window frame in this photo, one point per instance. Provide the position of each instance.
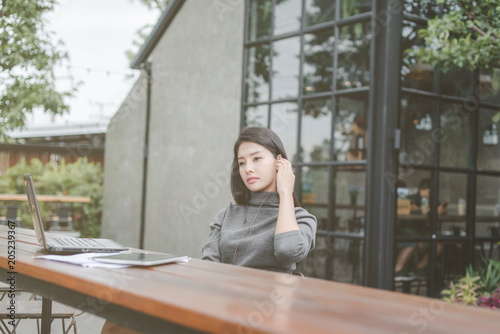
(435, 168)
(367, 19)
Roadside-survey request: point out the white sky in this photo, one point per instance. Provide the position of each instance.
(96, 34)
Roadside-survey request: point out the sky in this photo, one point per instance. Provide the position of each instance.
(96, 34)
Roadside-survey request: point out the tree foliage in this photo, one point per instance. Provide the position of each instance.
(27, 59)
(143, 32)
(81, 178)
(466, 35)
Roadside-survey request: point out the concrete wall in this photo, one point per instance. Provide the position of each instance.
(195, 116)
(194, 123)
(123, 168)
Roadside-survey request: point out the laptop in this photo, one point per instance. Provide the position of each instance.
(64, 245)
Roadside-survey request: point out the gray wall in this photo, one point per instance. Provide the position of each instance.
(123, 168)
(195, 119)
(194, 123)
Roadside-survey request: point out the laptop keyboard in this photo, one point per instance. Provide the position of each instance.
(76, 242)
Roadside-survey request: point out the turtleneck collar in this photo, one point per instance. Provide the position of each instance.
(269, 198)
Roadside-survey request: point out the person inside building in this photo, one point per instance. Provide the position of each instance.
(416, 228)
(265, 227)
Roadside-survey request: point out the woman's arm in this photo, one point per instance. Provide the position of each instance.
(295, 231)
(295, 245)
(211, 251)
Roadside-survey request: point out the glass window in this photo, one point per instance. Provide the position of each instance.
(487, 249)
(410, 279)
(350, 192)
(350, 189)
(259, 19)
(353, 69)
(256, 116)
(489, 86)
(354, 7)
(452, 259)
(348, 260)
(487, 206)
(418, 139)
(286, 62)
(413, 204)
(350, 135)
(452, 204)
(257, 74)
(314, 192)
(455, 136)
(319, 11)
(284, 117)
(320, 259)
(488, 153)
(318, 61)
(287, 16)
(415, 75)
(316, 130)
(457, 83)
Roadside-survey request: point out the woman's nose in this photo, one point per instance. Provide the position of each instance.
(248, 168)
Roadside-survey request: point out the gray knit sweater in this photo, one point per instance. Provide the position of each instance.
(260, 248)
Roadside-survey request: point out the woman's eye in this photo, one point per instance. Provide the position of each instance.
(241, 163)
(256, 158)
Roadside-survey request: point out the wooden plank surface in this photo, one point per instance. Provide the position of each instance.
(221, 298)
(46, 198)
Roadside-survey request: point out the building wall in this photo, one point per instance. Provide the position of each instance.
(124, 168)
(195, 119)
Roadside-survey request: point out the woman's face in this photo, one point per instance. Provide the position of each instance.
(257, 167)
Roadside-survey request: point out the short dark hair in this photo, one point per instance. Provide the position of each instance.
(425, 184)
(261, 136)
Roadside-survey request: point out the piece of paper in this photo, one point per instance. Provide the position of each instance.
(84, 260)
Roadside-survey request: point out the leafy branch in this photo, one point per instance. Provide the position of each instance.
(465, 36)
(143, 32)
(27, 61)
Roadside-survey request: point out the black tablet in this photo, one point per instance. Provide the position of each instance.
(141, 259)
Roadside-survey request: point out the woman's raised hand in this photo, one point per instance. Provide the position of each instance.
(285, 178)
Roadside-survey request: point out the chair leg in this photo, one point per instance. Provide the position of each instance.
(6, 327)
(72, 324)
(2, 327)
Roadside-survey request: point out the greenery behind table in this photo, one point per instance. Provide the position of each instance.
(81, 178)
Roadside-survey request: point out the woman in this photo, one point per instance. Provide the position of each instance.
(266, 228)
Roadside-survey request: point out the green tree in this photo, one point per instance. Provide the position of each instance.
(27, 59)
(466, 35)
(81, 178)
(143, 32)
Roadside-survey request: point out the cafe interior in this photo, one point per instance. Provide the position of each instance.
(366, 128)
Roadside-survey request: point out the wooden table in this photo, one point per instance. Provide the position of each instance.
(46, 198)
(219, 298)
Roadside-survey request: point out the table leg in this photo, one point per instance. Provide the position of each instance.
(46, 315)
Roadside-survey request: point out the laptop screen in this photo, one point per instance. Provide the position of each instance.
(35, 210)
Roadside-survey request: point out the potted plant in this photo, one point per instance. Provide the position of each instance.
(353, 193)
(478, 287)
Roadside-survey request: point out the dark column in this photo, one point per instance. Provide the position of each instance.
(382, 155)
(147, 68)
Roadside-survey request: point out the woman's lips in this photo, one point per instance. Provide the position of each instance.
(252, 180)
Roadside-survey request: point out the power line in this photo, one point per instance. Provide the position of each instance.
(102, 70)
